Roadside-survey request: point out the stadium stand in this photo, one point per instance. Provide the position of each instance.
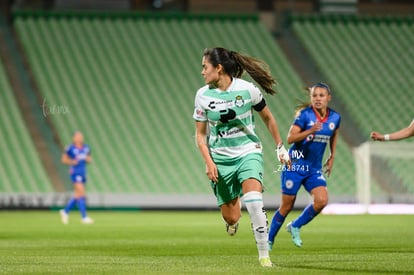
(129, 81)
(369, 62)
(21, 167)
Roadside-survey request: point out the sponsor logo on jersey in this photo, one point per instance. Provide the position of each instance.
(310, 137)
(239, 102)
(81, 156)
(229, 132)
(212, 104)
(321, 138)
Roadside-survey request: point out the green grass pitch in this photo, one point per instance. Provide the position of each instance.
(196, 243)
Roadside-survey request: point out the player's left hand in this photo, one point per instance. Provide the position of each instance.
(377, 136)
(88, 158)
(283, 155)
(327, 168)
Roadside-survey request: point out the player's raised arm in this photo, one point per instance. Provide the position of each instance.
(398, 135)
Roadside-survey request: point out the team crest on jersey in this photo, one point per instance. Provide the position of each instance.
(239, 102)
(289, 184)
(331, 125)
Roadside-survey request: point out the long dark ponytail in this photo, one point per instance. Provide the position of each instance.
(235, 64)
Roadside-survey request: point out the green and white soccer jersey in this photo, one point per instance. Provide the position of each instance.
(230, 118)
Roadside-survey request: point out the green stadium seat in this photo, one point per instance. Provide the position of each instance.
(369, 62)
(21, 167)
(130, 85)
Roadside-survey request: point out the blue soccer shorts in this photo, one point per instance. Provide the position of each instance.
(76, 178)
(293, 180)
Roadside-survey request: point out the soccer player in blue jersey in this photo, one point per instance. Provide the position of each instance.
(77, 156)
(315, 126)
(226, 137)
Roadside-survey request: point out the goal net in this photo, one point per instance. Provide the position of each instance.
(385, 173)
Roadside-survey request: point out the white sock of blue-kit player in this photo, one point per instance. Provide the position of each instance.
(254, 204)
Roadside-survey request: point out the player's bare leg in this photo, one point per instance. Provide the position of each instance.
(231, 213)
(320, 198)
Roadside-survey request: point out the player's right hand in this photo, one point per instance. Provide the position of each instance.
(212, 172)
(317, 126)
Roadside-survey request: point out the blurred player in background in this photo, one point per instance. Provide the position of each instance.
(77, 156)
(226, 138)
(398, 135)
(314, 127)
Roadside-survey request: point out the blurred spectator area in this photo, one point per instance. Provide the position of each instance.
(215, 6)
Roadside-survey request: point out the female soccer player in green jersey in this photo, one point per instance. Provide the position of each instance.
(226, 138)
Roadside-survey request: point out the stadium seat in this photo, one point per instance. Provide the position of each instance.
(369, 62)
(21, 167)
(130, 85)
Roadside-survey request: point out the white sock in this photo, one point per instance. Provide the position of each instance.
(254, 204)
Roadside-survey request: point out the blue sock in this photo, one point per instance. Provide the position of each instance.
(71, 203)
(307, 215)
(82, 207)
(277, 222)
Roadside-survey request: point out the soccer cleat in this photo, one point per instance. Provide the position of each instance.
(87, 220)
(266, 262)
(294, 231)
(270, 245)
(232, 229)
(64, 216)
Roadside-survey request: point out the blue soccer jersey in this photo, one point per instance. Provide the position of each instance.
(80, 155)
(307, 154)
